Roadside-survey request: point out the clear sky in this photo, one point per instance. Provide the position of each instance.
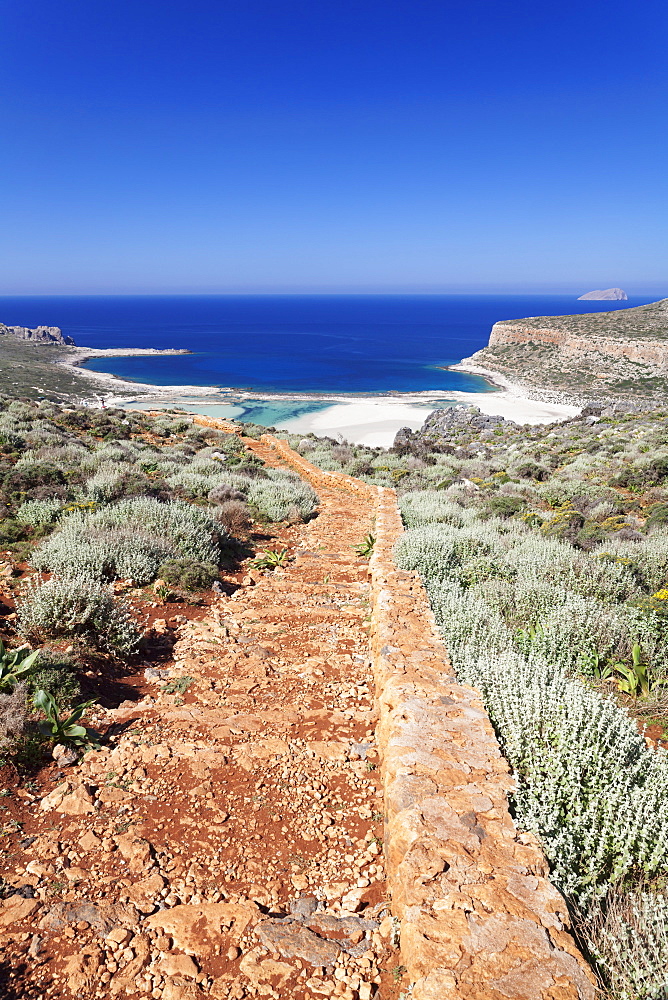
(333, 145)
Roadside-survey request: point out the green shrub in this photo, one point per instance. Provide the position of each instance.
(657, 514)
(25, 479)
(78, 610)
(188, 573)
(505, 506)
(12, 531)
(530, 470)
(56, 673)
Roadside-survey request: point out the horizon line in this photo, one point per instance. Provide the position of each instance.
(659, 293)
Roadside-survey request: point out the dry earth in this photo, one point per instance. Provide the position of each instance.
(226, 839)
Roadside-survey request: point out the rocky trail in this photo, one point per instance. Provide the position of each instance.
(226, 841)
(304, 803)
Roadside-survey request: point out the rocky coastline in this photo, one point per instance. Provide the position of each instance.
(38, 335)
(592, 358)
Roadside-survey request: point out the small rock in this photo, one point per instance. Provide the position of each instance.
(118, 935)
(89, 842)
(35, 946)
(78, 803)
(303, 907)
(63, 755)
(137, 851)
(16, 908)
(178, 965)
(294, 941)
(265, 970)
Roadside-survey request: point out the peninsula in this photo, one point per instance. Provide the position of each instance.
(45, 363)
(595, 357)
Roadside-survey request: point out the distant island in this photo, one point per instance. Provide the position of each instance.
(604, 295)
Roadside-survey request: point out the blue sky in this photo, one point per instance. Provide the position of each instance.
(331, 145)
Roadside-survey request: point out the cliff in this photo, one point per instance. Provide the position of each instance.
(611, 355)
(40, 335)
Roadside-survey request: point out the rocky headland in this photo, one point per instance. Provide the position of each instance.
(581, 358)
(38, 335)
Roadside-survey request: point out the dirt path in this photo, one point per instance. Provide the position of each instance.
(227, 841)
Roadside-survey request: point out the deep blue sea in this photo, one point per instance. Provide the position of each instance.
(293, 343)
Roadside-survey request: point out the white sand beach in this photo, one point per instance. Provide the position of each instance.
(375, 421)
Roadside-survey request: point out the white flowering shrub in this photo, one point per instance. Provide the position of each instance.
(323, 458)
(577, 624)
(586, 783)
(194, 484)
(649, 559)
(130, 540)
(76, 609)
(436, 551)
(39, 512)
(428, 507)
(104, 485)
(282, 497)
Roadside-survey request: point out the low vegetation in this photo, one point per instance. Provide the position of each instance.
(544, 551)
(96, 504)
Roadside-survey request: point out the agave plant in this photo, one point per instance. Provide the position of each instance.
(634, 678)
(270, 559)
(365, 548)
(65, 731)
(15, 665)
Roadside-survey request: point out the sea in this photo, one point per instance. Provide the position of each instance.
(292, 353)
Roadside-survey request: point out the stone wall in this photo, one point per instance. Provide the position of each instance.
(479, 918)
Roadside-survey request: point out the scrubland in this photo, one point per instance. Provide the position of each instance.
(544, 551)
(105, 514)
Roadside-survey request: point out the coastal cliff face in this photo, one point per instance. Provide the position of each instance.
(621, 354)
(647, 352)
(40, 335)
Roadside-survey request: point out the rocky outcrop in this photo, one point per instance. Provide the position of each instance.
(604, 295)
(40, 335)
(443, 425)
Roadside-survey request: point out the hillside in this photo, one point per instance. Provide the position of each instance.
(582, 358)
(544, 553)
(28, 371)
(355, 710)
